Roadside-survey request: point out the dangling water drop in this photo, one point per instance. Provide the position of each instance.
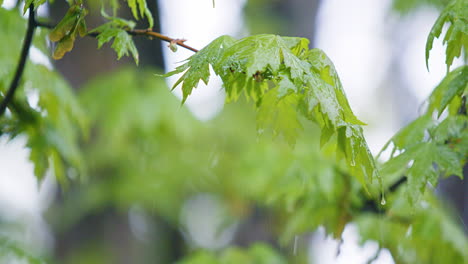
(383, 201)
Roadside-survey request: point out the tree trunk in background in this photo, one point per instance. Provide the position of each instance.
(108, 228)
(85, 61)
(301, 16)
(455, 191)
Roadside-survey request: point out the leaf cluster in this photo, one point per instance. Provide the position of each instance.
(435, 144)
(287, 82)
(116, 30)
(456, 37)
(158, 156)
(72, 24)
(416, 235)
(53, 126)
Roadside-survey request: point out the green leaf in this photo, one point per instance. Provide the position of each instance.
(69, 23)
(407, 227)
(280, 113)
(398, 165)
(456, 37)
(256, 254)
(27, 3)
(57, 123)
(412, 133)
(140, 9)
(9, 247)
(116, 22)
(421, 172)
(198, 65)
(65, 32)
(122, 42)
(63, 46)
(448, 161)
(328, 89)
(285, 80)
(452, 128)
(453, 84)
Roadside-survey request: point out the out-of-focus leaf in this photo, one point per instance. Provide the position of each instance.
(427, 236)
(57, 122)
(256, 254)
(406, 6)
(281, 114)
(9, 247)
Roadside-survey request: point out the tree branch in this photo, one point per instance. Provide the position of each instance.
(22, 61)
(150, 33)
(138, 32)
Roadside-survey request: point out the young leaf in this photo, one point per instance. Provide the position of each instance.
(198, 65)
(65, 32)
(63, 46)
(123, 43)
(453, 84)
(456, 37)
(140, 9)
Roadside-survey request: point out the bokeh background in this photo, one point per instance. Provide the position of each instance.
(163, 177)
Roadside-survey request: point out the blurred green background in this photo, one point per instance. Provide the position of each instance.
(163, 185)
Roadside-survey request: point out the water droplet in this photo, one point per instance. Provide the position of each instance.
(295, 245)
(383, 201)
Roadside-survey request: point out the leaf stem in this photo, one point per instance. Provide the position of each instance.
(22, 61)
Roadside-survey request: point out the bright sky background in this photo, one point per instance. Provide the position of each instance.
(199, 23)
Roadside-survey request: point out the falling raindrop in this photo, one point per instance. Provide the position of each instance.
(295, 245)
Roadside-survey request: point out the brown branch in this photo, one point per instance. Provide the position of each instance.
(22, 61)
(150, 33)
(138, 32)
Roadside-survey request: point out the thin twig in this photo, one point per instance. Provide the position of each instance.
(44, 25)
(22, 61)
(150, 33)
(137, 32)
